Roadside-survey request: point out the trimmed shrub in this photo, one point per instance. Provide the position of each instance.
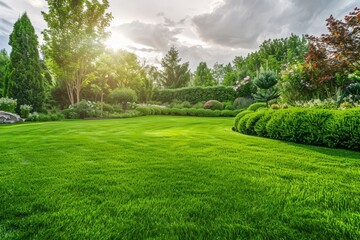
(332, 128)
(252, 120)
(260, 126)
(8, 104)
(343, 130)
(241, 127)
(239, 116)
(144, 110)
(213, 105)
(196, 94)
(256, 106)
(198, 105)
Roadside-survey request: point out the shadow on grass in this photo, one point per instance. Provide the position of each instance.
(333, 152)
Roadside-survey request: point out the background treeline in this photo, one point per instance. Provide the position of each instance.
(75, 65)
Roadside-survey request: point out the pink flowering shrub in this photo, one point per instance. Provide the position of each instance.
(214, 105)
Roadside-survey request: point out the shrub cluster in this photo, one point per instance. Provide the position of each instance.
(214, 105)
(40, 117)
(8, 104)
(196, 94)
(323, 127)
(186, 112)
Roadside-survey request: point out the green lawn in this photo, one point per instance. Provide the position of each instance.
(171, 178)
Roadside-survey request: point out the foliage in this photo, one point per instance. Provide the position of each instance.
(273, 54)
(353, 92)
(146, 110)
(239, 116)
(196, 94)
(335, 54)
(214, 105)
(203, 76)
(74, 38)
(332, 128)
(294, 84)
(25, 82)
(174, 74)
(123, 96)
(25, 110)
(255, 106)
(266, 89)
(242, 102)
(8, 104)
(317, 103)
(83, 109)
(36, 117)
(4, 62)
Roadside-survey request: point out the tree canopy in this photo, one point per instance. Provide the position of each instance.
(25, 82)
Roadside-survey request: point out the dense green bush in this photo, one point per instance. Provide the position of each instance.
(25, 110)
(256, 106)
(8, 104)
(260, 126)
(252, 120)
(196, 94)
(123, 96)
(242, 102)
(241, 127)
(214, 105)
(239, 116)
(332, 128)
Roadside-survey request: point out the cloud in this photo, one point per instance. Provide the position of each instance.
(2, 4)
(245, 24)
(157, 36)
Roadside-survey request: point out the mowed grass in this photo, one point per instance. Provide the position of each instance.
(171, 178)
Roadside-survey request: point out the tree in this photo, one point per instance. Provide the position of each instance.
(333, 56)
(218, 72)
(174, 74)
(25, 82)
(74, 38)
(203, 76)
(266, 87)
(4, 62)
(149, 83)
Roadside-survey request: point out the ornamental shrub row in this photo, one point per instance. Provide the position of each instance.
(196, 94)
(187, 112)
(323, 127)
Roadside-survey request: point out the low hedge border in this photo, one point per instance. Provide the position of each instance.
(322, 127)
(187, 112)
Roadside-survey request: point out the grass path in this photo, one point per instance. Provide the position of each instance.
(171, 178)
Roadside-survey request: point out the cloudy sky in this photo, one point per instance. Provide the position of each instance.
(202, 30)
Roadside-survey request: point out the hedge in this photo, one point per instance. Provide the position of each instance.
(196, 94)
(323, 127)
(186, 112)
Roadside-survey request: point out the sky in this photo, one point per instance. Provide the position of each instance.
(202, 30)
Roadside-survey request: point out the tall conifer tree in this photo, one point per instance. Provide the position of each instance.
(25, 82)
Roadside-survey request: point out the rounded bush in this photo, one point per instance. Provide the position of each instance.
(242, 103)
(242, 123)
(239, 116)
(256, 106)
(260, 126)
(123, 96)
(213, 105)
(252, 120)
(275, 106)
